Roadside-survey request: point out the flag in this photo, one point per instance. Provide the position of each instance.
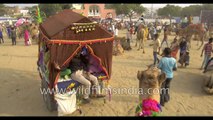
(39, 19)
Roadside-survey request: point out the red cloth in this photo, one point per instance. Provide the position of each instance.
(174, 53)
(131, 30)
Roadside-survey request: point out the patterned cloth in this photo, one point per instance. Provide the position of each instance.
(148, 107)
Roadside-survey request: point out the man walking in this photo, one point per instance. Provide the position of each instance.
(207, 49)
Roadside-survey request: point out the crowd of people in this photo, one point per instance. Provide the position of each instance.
(169, 58)
(10, 31)
(14, 32)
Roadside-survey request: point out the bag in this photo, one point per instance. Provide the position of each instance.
(66, 103)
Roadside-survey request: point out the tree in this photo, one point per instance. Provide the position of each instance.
(50, 9)
(193, 10)
(171, 10)
(2, 9)
(207, 6)
(127, 9)
(108, 6)
(66, 6)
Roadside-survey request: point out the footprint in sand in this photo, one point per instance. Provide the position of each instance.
(17, 90)
(178, 110)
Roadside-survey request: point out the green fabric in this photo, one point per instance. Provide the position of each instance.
(138, 108)
(65, 72)
(46, 57)
(155, 114)
(47, 73)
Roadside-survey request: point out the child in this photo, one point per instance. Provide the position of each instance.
(165, 37)
(131, 32)
(183, 47)
(156, 46)
(167, 65)
(184, 60)
(13, 35)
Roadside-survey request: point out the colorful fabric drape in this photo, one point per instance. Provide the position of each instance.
(148, 107)
(19, 22)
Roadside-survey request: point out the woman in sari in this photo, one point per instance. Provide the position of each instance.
(184, 53)
(174, 47)
(27, 37)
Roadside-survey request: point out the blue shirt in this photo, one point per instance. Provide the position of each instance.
(167, 64)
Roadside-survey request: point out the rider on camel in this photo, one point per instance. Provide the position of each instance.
(184, 22)
(140, 21)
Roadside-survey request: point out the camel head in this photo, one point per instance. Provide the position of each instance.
(152, 77)
(150, 80)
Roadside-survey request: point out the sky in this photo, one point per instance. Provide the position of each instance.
(145, 5)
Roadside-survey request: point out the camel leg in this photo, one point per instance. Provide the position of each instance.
(139, 44)
(142, 42)
(202, 42)
(136, 42)
(189, 39)
(197, 42)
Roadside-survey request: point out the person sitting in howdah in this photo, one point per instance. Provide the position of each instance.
(79, 67)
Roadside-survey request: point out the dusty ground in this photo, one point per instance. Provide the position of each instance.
(20, 83)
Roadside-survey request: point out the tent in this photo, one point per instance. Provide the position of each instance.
(64, 34)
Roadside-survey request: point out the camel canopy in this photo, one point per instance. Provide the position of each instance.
(63, 35)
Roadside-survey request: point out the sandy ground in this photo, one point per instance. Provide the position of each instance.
(20, 84)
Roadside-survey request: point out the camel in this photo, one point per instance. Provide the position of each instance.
(208, 78)
(193, 29)
(208, 84)
(142, 33)
(125, 45)
(117, 48)
(150, 82)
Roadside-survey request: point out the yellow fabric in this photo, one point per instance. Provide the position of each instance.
(146, 32)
